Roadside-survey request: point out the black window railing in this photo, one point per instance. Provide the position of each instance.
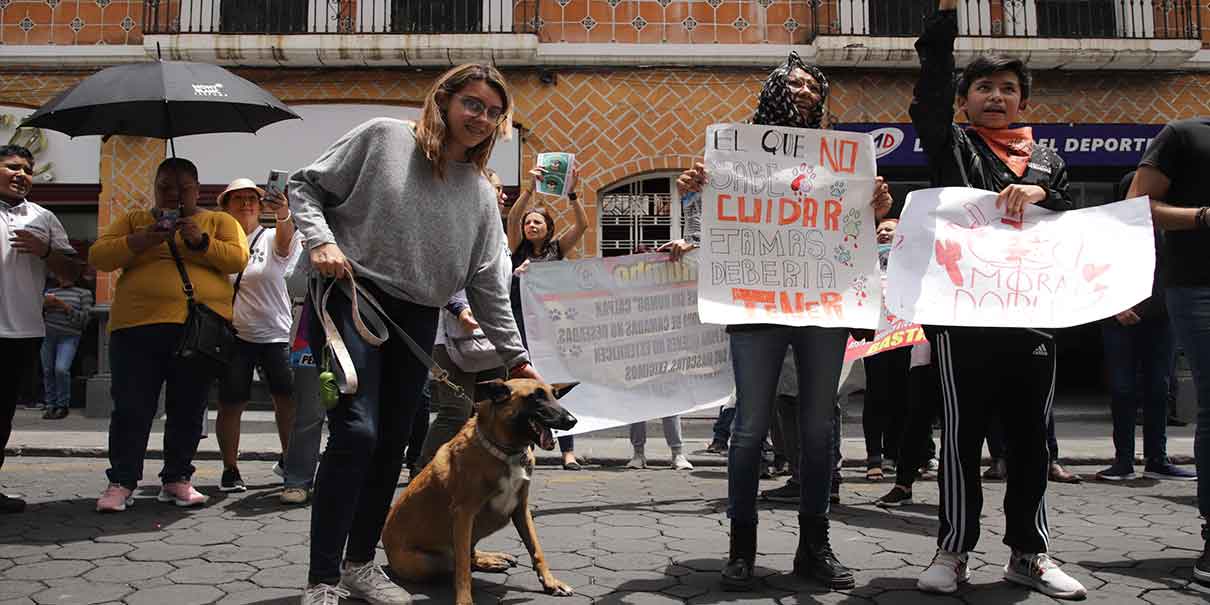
(1145, 19)
(273, 17)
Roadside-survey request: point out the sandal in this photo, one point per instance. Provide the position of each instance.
(874, 473)
(571, 466)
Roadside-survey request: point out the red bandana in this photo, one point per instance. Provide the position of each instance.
(1013, 146)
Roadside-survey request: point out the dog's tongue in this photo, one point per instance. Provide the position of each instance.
(547, 442)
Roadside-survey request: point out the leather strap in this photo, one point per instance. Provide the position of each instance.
(379, 320)
(180, 267)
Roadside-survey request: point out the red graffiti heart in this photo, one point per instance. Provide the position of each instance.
(1092, 272)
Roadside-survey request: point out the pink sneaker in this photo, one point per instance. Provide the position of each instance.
(181, 493)
(115, 499)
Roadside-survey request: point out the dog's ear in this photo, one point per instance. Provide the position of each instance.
(562, 388)
(495, 391)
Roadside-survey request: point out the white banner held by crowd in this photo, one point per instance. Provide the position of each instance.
(626, 329)
(957, 260)
(787, 228)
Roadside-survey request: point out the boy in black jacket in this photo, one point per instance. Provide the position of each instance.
(991, 154)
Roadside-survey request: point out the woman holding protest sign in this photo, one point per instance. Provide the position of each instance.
(531, 239)
(794, 95)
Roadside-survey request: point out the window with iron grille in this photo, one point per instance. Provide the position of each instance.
(899, 17)
(1076, 18)
(437, 16)
(639, 213)
(263, 16)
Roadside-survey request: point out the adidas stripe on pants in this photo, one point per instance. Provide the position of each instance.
(1013, 369)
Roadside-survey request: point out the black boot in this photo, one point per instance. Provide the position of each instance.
(815, 558)
(737, 573)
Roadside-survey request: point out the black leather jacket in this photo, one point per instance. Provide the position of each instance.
(958, 157)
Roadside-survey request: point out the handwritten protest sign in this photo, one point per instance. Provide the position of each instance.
(626, 328)
(958, 261)
(787, 228)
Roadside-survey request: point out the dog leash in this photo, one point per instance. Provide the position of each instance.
(382, 323)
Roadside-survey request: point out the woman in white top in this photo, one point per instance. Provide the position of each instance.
(261, 314)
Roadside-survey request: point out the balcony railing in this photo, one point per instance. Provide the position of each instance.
(1154, 19)
(801, 21)
(275, 17)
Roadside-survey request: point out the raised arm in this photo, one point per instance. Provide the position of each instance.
(932, 107)
(572, 236)
(516, 214)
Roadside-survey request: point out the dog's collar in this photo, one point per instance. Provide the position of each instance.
(496, 451)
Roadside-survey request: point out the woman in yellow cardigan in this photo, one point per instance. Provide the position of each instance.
(146, 322)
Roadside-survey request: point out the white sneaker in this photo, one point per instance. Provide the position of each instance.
(637, 461)
(369, 583)
(681, 463)
(1040, 572)
(945, 573)
(323, 594)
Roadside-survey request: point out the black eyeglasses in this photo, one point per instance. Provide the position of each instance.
(476, 108)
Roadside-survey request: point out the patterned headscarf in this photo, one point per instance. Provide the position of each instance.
(776, 106)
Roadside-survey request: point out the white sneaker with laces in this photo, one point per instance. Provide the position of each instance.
(323, 594)
(681, 463)
(945, 573)
(1040, 572)
(637, 461)
(369, 583)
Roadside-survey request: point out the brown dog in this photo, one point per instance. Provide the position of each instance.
(474, 486)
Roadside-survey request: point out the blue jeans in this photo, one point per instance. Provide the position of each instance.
(368, 432)
(1189, 309)
(58, 351)
(142, 360)
(1147, 344)
(756, 356)
(722, 426)
(303, 454)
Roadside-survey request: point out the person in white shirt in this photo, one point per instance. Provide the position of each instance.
(262, 321)
(32, 240)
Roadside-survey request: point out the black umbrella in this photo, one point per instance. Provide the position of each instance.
(163, 100)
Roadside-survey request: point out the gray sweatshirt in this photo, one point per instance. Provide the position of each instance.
(419, 238)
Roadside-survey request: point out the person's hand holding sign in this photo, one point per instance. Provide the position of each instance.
(882, 198)
(1015, 198)
(1128, 317)
(692, 180)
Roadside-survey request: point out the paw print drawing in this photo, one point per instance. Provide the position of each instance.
(859, 289)
(852, 226)
(570, 314)
(843, 256)
(555, 313)
(838, 189)
(805, 181)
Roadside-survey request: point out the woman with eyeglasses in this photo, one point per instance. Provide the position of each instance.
(531, 239)
(407, 210)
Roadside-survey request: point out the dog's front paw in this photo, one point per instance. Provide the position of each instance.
(493, 561)
(556, 588)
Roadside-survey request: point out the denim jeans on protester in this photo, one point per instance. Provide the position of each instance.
(303, 454)
(722, 425)
(1189, 309)
(368, 432)
(756, 356)
(143, 360)
(1148, 345)
(58, 352)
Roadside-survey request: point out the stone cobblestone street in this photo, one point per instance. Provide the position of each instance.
(619, 537)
